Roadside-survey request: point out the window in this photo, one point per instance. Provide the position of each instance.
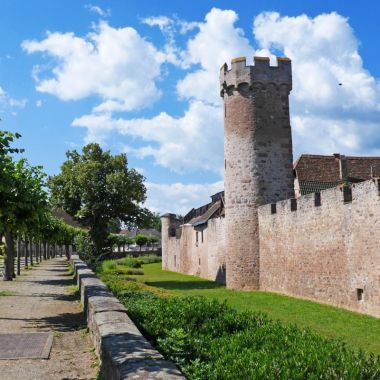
(202, 236)
(359, 293)
(171, 232)
(273, 208)
(317, 199)
(175, 261)
(196, 238)
(347, 194)
(293, 204)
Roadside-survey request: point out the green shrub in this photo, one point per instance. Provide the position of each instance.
(210, 340)
(137, 262)
(109, 266)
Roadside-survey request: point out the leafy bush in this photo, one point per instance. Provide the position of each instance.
(210, 340)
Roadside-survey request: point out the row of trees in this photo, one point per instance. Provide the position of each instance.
(25, 212)
(96, 188)
(121, 241)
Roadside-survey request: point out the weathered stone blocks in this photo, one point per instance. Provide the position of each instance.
(258, 157)
(123, 351)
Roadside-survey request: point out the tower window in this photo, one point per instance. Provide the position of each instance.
(359, 294)
(273, 208)
(293, 204)
(347, 194)
(317, 199)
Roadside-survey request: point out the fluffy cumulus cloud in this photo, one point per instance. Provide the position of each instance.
(178, 197)
(187, 143)
(217, 41)
(116, 64)
(195, 140)
(335, 102)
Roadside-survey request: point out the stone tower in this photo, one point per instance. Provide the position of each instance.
(258, 157)
(169, 223)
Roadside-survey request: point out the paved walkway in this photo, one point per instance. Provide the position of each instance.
(41, 301)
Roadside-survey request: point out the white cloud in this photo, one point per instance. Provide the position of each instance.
(39, 103)
(179, 198)
(96, 9)
(116, 64)
(335, 102)
(217, 41)
(188, 143)
(168, 27)
(7, 101)
(163, 22)
(121, 68)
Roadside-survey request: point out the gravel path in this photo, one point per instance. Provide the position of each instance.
(41, 301)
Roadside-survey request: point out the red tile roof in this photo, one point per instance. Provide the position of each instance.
(317, 168)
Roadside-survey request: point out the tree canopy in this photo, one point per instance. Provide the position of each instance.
(24, 207)
(96, 188)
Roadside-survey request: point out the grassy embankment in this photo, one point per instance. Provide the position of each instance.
(358, 331)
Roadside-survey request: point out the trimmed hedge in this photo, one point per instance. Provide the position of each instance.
(210, 340)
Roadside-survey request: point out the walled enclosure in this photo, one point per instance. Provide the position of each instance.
(320, 246)
(205, 258)
(329, 253)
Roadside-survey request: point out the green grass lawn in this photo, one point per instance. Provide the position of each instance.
(359, 331)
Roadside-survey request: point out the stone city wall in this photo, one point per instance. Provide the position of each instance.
(204, 258)
(328, 252)
(123, 352)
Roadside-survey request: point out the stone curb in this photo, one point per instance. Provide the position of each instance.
(123, 351)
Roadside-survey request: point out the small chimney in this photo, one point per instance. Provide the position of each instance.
(343, 168)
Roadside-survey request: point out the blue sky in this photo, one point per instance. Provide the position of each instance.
(141, 77)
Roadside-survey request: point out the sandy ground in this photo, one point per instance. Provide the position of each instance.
(41, 301)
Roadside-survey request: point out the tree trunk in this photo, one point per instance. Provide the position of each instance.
(18, 256)
(36, 248)
(31, 251)
(9, 255)
(67, 252)
(45, 253)
(26, 253)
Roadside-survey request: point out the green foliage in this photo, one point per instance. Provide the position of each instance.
(210, 340)
(152, 239)
(127, 265)
(235, 352)
(141, 240)
(87, 250)
(156, 221)
(96, 188)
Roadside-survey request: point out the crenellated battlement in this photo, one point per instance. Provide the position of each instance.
(260, 73)
(331, 198)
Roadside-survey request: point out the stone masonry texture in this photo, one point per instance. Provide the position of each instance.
(328, 253)
(123, 352)
(319, 246)
(258, 157)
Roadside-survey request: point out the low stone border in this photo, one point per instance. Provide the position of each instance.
(123, 352)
